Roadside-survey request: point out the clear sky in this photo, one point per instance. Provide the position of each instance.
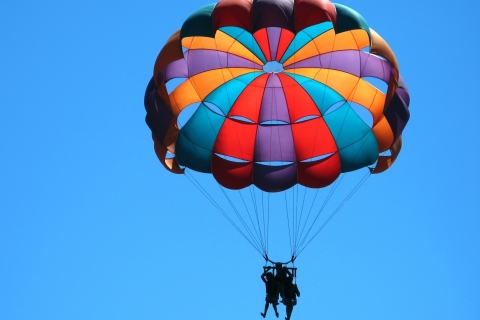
(93, 227)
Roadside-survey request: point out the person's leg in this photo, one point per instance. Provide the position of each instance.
(275, 308)
(289, 310)
(265, 309)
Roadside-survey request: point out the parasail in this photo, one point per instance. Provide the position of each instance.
(274, 95)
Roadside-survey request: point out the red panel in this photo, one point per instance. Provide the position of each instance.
(299, 102)
(262, 39)
(311, 12)
(233, 13)
(231, 175)
(236, 139)
(319, 174)
(248, 103)
(286, 38)
(312, 139)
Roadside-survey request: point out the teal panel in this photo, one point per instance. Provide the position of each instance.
(355, 140)
(247, 39)
(304, 37)
(360, 154)
(323, 96)
(200, 23)
(192, 156)
(349, 19)
(197, 138)
(225, 96)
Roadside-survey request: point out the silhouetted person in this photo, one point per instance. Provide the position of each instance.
(272, 289)
(281, 274)
(290, 294)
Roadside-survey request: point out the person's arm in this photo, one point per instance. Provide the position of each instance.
(263, 276)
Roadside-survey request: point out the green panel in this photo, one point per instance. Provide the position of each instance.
(197, 138)
(355, 140)
(200, 23)
(349, 19)
(225, 96)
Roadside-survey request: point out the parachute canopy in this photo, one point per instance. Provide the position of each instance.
(276, 93)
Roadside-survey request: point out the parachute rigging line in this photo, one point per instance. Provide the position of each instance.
(215, 204)
(359, 184)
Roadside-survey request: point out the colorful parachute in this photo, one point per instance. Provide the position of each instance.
(276, 93)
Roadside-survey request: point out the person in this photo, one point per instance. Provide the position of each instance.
(272, 289)
(281, 274)
(290, 294)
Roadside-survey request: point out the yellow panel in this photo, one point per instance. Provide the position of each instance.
(240, 50)
(187, 42)
(306, 72)
(361, 38)
(307, 51)
(196, 88)
(381, 48)
(183, 95)
(321, 44)
(224, 41)
(206, 82)
(384, 134)
(192, 43)
(325, 41)
(345, 41)
(370, 97)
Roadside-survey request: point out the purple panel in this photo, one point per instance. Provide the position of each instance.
(272, 13)
(313, 62)
(404, 95)
(203, 60)
(159, 116)
(199, 61)
(273, 40)
(358, 63)
(274, 104)
(175, 69)
(397, 115)
(373, 66)
(402, 90)
(274, 179)
(274, 143)
(234, 61)
(346, 61)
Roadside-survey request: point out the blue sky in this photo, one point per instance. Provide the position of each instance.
(93, 227)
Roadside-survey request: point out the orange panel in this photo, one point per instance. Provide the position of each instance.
(196, 88)
(308, 51)
(345, 41)
(197, 42)
(384, 135)
(171, 51)
(380, 47)
(361, 38)
(371, 98)
(385, 162)
(170, 164)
